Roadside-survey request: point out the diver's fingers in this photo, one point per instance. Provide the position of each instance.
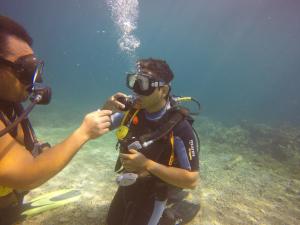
(116, 100)
(125, 156)
(128, 167)
(104, 112)
(96, 123)
(119, 105)
(133, 151)
(125, 162)
(104, 119)
(105, 125)
(130, 170)
(114, 104)
(118, 95)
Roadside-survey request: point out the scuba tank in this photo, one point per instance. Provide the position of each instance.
(179, 100)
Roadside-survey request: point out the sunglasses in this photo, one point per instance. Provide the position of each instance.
(28, 69)
(143, 84)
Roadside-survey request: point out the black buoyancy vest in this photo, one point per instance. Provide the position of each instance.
(160, 151)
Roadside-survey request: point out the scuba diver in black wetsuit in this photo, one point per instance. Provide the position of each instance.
(158, 149)
(25, 163)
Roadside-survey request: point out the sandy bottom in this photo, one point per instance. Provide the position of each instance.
(250, 174)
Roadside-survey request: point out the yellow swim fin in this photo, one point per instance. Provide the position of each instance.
(50, 201)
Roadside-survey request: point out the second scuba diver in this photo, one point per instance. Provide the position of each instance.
(158, 148)
(25, 162)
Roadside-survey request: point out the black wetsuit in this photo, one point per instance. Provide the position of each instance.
(134, 204)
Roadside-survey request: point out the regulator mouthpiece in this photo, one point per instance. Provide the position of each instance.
(41, 94)
(127, 101)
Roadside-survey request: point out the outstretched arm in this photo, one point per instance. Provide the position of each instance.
(20, 170)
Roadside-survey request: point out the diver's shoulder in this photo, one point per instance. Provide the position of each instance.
(183, 126)
(6, 141)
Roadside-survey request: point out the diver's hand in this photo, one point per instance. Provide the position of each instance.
(134, 162)
(95, 124)
(113, 104)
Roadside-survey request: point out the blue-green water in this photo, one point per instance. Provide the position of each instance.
(239, 58)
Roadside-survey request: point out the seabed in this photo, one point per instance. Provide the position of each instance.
(250, 174)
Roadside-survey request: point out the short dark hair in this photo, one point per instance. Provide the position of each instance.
(10, 27)
(159, 69)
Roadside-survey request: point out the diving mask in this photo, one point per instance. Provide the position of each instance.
(28, 69)
(143, 84)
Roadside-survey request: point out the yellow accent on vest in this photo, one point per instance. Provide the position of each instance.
(123, 130)
(184, 99)
(5, 191)
(172, 157)
(190, 154)
(125, 117)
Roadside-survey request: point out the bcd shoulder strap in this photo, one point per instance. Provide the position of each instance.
(169, 121)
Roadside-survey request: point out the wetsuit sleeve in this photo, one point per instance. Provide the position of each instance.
(186, 146)
(116, 120)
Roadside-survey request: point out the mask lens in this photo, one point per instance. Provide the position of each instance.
(29, 69)
(140, 84)
(140, 80)
(143, 83)
(37, 78)
(131, 79)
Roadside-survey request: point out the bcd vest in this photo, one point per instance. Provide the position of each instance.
(142, 129)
